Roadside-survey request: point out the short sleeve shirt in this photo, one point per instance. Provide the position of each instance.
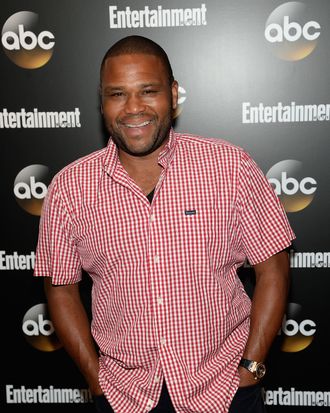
(167, 301)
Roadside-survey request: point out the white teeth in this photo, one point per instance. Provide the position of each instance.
(140, 125)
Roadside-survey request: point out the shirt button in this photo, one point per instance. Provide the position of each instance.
(157, 379)
(163, 341)
(152, 217)
(156, 259)
(149, 404)
(159, 300)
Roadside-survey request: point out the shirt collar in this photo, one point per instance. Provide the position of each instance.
(111, 157)
(167, 153)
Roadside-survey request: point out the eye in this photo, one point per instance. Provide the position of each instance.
(113, 94)
(116, 94)
(149, 92)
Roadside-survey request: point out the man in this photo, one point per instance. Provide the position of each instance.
(161, 221)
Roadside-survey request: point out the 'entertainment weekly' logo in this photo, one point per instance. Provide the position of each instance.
(39, 330)
(298, 331)
(30, 188)
(295, 190)
(157, 17)
(24, 43)
(292, 31)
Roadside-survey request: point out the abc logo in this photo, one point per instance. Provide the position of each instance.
(291, 31)
(30, 188)
(24, 43)
(181, 99)
(298, 332)
(295, 190)
(39, 330)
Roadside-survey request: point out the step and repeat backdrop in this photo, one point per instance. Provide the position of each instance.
(255, 73)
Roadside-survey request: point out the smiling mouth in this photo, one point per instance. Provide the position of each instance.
(137, 125)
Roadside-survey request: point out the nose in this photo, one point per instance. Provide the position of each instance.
(134, 104)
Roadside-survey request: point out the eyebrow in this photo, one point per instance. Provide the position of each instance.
(110, 87)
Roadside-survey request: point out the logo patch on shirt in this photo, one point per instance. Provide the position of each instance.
(190, 212)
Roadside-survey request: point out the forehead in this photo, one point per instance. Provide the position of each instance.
(133, 67)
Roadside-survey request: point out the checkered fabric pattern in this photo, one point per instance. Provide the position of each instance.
(167, 302)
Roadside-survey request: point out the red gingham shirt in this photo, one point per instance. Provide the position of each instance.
(167, 302)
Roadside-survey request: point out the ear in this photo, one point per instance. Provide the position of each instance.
(175, 94)
(101, 104)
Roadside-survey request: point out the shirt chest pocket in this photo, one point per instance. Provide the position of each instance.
(197, 238)
(198, 227)
(209, 236)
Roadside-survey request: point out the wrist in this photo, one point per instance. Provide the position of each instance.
(256, 368)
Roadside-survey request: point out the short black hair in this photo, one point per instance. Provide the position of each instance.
(138, 45)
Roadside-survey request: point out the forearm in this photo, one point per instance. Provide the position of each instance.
(72, 327)
(268, 307)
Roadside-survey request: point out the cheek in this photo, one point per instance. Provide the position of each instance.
(109, 112)
(163, 109)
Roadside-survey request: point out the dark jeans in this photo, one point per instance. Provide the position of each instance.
(246, 400)
(164, 405)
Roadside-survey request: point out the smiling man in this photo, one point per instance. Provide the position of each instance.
(161, 221)
(137, 102)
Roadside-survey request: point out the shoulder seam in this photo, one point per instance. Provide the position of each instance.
(217, 142)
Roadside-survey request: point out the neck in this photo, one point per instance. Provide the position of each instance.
(131, 162)
(144, 170)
